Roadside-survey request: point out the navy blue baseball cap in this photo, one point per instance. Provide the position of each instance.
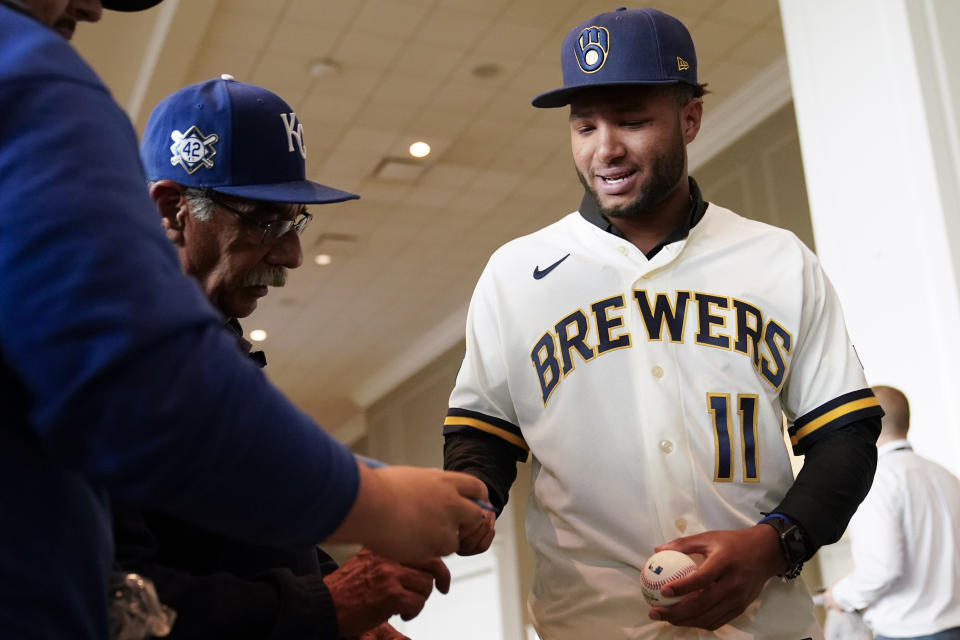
(129, 5)
(623, 47)
(235, 138)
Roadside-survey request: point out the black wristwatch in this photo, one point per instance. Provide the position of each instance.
(792, 542)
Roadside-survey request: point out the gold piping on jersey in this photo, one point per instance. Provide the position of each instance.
(833, 414)
(486, 427)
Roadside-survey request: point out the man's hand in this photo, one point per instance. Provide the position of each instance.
(829, 602)
(383, 632)
(736, 566)
(410, 514)
(368, 589)
(478, 539)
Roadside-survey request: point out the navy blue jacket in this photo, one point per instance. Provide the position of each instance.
(115, 372)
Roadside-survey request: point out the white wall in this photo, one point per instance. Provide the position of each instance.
(876, 86)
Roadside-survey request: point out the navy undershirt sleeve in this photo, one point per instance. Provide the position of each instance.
(836, 475)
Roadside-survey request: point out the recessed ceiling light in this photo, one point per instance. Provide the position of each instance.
(323, 259)
(324, 67)
(419, 149)
(258, 335)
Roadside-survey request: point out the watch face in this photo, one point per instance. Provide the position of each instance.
(792, 544)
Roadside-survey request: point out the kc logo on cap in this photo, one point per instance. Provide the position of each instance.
(294, 132)
(592, 48)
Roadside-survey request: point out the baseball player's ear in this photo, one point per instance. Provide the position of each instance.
(690, 117)
(171, 203)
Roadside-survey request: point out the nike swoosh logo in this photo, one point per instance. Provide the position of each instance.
(537, 273)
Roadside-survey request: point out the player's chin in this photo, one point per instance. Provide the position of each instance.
(621, 207)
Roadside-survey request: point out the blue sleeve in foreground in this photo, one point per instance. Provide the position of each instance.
(130, 379)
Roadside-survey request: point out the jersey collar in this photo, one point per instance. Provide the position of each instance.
(590, 211)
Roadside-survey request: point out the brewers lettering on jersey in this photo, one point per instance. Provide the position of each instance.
(646, 352)
(766, 343)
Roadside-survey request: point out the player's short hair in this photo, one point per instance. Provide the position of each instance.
(684, 92)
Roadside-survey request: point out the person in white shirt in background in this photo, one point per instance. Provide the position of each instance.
(905, 540)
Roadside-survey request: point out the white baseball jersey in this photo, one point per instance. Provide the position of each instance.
(650, 394)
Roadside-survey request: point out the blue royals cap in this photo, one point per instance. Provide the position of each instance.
(235, 138)
(623, 47)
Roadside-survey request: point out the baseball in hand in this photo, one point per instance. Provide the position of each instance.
(661, 568)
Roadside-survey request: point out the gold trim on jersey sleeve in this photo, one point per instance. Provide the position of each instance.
(486, 427)
(830, 416)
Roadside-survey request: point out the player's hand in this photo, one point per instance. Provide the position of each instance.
(383, 632)
(368, 589)
(410, 514)
(478, 539)
(736, 566)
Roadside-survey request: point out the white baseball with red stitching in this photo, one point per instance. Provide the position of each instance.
(661, 568)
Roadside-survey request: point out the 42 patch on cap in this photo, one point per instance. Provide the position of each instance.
(192, 149)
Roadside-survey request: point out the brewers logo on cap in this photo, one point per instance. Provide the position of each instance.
(623, 48)
(592, 48)
(193, 149)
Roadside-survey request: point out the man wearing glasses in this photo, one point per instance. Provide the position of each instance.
(116, 375)
(235, 260)
(226, 165)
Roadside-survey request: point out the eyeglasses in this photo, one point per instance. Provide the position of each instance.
(273, 230)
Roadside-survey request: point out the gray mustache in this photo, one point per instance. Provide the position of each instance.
(268, 276)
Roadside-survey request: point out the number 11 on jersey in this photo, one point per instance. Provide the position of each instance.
(718, 404)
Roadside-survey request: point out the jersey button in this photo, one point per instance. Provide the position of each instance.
(681, 525)
(666, 446)
(623, 249)
(657, 371)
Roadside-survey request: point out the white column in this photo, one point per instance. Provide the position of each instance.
(876, 87)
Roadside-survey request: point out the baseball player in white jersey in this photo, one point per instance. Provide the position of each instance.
(644, 349)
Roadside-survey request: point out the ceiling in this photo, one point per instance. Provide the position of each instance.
(458, 74)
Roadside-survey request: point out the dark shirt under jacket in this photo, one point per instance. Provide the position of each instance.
(225, 588)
